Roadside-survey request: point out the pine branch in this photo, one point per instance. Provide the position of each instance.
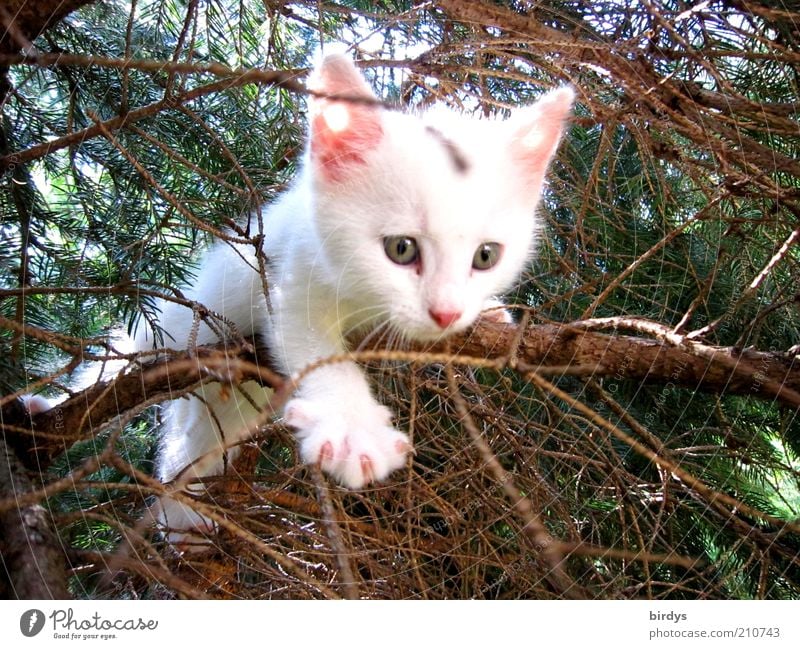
(551, 350)
(230, 78)
(84, 414)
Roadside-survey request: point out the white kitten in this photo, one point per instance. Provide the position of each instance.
(411, 223)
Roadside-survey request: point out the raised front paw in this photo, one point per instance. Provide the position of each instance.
(355, 447)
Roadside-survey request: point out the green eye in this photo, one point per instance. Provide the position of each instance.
(487, 255)
(401, 250)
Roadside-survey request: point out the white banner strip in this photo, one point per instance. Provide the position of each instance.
(225, 624)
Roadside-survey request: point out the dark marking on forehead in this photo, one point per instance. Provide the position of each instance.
(457, 157)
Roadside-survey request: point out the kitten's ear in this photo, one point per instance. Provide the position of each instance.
(538, 130)
(342, 131)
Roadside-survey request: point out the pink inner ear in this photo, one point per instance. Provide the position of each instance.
(337, 147)
(534, 146)
(537, 138)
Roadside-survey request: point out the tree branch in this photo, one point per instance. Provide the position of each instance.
(30, 552)
(571, 349)
(230, 78)
(24, 20)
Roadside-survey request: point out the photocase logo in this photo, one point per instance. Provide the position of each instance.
(31, 622)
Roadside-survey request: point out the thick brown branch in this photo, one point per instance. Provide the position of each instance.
(83, 415)
(575, 351)
(549, 349)
(26, 19)
(33, 565)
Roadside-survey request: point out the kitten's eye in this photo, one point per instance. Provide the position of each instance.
(487, 255)
(401, 250)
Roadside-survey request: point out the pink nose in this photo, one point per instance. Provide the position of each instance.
(444, 318)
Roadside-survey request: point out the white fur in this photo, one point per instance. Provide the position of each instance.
(330, 275)
(35, 404)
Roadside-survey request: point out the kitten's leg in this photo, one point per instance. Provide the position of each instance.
(198, 440)
(338, 422)
(199, 430)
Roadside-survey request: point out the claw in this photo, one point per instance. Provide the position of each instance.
(367, 469)
(326, 453)
(403, 447)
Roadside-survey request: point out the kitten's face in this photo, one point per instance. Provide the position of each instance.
(423, 220)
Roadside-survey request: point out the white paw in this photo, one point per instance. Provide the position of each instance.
(35, 404)
(355, 447)
(494, 311)
(183, 527)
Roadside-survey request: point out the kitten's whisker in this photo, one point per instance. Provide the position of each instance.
(377, 332)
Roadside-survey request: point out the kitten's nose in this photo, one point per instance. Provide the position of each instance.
(444, 318)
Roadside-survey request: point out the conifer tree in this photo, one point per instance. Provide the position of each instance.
(635, 434)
